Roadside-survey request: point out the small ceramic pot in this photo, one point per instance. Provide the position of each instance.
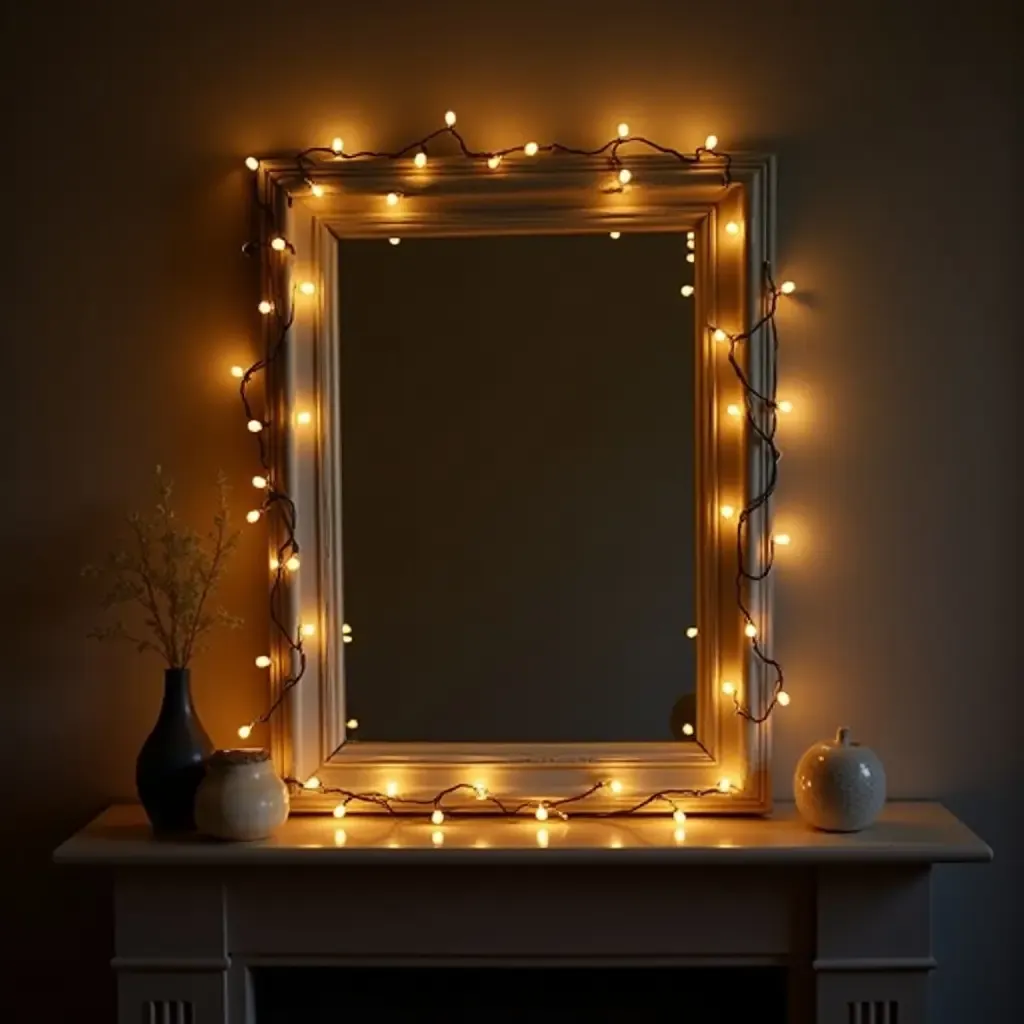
(241, 797)
(839, 785)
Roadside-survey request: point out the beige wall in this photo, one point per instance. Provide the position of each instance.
(126, 126)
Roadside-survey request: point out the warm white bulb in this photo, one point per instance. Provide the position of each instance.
(449, 118)
(346, 628)
(787, 287)
(308, 629)
(395, 241)
(494, 162)
(615, 786)
(317, 190)
(728, 688)
(237, 371)
(293, 563)
(719, 335)
(686, 291)
(623, 130)
(750, 629)
(278, 244)
(255, 426)
(352, 723)
(691, 235)
(391, 199)
(724, 785)
(530, 149)
(679, 817)
(337, 144)
(732, 409)
(253, 515)
(481, 790)
(614, 234)
(782, 698)
(347, 638)
(420, 159)
(692, 631)
(391, 789)
(785, 406)
(782, 538)
(304, 418)
(687, 729)
(340, 811)
(541, 814)
(263, 661)
(252, 163)
(711, 141)
(311, 783)
(727, 511)
(691, 243)
(307, 288)
(691, 258)
(265, 307)
(732, 228)
(259, 482)
(625, 176)
(244, 732)
(437, 817)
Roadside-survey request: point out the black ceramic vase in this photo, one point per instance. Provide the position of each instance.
(172, 761)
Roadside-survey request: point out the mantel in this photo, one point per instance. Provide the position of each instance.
(848, 917)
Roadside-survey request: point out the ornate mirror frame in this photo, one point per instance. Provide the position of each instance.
(456, 197)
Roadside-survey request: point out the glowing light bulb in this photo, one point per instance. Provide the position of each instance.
(530, 149)
(420, 159)
(237, 372)
(307, 288)
(691, 258)
(724, 785)
(449, 118)
(615, 786)
(274, 565)
(733, 409)
(787, 287)
(727, 511)
(253, 515)
(311, 783)
(494, 162)
(244, 732)
(750, 629)
(437, 837)
(692, 631)
(719, 335)
(691, 235)
(265, 307)
(391, 199)
(686, 291)
(541, 814)
(710, 142)
(782, 538)
(252, 163)
(259, 482)
(728, 688)
(785, 406)
(263, 661)
(278, 244)
(687, 729)
(395, 241)
(347, 638)
(255, 426)
(352, 723)
(691, 243)
(625, 176)
(337, 144)
(293, 563)
(304, 418)
(623, 129)
(346, 628)
(391, 789)
(678, 816)
(340, 811)
(782, 698)
(437, 817)
(614, 234)
(481, 790)
(317, 190)
(308, 629)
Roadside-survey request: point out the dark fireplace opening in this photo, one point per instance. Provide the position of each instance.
(453, 995)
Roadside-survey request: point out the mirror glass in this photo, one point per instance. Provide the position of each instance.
(518, 472)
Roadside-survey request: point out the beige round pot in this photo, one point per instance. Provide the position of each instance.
(241, 796)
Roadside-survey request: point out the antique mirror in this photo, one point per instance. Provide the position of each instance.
(517, 450)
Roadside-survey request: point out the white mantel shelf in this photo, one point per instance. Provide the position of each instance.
(922, 833)
(848, 917)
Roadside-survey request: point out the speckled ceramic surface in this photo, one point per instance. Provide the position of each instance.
(839, 785)
(241, 796)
